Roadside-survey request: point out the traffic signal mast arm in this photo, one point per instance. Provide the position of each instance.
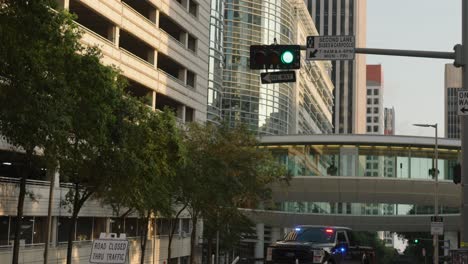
(455, 55)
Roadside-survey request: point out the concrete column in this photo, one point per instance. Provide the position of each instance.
(152, 15)
(63, 4)
(156, 18)
(53, 234)
(275, 234)
(183, 75)
(153, 104)
(451, 236)
(113, 34)
(183, 38)
(259, 245)
(185, 4)
(108, 225)
(181, 112)
(153, 57)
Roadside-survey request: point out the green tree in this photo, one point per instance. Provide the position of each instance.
(150, 151)
(224, 170)
(35, 46)
(384, 254)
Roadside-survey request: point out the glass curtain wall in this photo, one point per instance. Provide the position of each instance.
(350, 160)
(265, 109)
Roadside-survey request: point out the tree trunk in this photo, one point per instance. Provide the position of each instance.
(171, 233)
(19, 210)
(49, 217)
(144, 238)
(193, 237)
(71, 233)
(209, 249)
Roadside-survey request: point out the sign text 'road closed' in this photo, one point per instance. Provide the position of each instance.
(113, 250)
(330, 48)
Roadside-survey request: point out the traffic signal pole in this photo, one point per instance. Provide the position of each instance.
(464, 136)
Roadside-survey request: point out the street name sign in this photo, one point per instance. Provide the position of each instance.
(278, 77)
(330, 48)
(462, 99)
(109, 249)
(437, 225)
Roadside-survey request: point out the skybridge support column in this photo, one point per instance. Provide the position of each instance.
(275, 234)
(450, 241)
(260, 244)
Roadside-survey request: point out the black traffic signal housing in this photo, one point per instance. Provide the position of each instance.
(457, 173)
(275, 57)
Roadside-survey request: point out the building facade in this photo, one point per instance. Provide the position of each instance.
(161, 47)
(271, 109)
(453, 82)
(345, 17)
(375, 109)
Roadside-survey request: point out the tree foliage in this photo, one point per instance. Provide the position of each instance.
(224, 169)
(383, 254)
(36, 44)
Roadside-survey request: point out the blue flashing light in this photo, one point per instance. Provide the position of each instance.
(342, 250)
(297, 229)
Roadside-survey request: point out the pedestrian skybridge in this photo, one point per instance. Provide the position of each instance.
(367, 182)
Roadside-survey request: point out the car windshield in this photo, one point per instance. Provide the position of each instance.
(311, 234)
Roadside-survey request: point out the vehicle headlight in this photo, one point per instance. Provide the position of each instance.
(269, 254)
(318, 255)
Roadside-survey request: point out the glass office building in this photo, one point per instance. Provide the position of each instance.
(266, 109)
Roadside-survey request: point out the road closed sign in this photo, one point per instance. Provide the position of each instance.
(109, 249)
(462, 100)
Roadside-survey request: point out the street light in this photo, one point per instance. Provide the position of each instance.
(436, 197)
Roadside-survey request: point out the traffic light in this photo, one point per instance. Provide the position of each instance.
(275, 57)
(416, 241)
(457, 173)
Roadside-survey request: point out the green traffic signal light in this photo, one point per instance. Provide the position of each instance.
(287, 57)
(416, 241)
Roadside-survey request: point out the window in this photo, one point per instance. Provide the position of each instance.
(192, 43)
(191, 79)
(376, 101)
(193, 8)
(376, 110)
(376, 119)
(131, 227)
(369, 91)
(4, 221)
(376, 129)
(369, 129)
(376, 91)
(369, 119)
(64, 225)
(341, 237)
(84, 228)
(186, 225)
(369, 101)
(368, 110)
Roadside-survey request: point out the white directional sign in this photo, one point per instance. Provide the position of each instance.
(278, 77)
(437, 225)
(462, 99)
(330, 48)
(109, 249)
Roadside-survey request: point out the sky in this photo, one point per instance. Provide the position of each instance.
(414, 86)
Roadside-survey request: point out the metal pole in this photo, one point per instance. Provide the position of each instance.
(436, 197)
(464, 136)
